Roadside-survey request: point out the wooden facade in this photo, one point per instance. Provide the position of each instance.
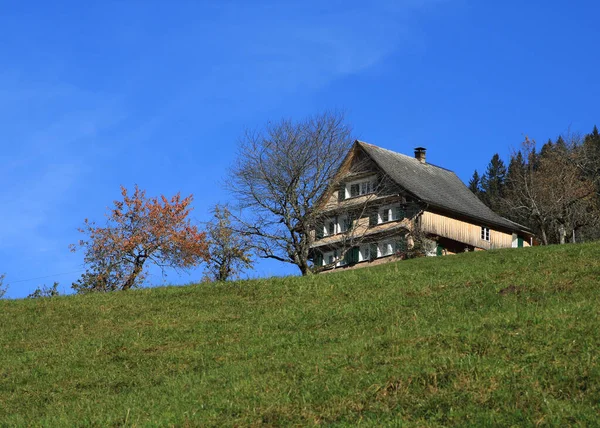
(363, 190)
(466, 232)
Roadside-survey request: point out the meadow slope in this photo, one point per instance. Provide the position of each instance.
(506, 337)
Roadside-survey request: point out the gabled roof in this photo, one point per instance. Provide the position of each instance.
(436, 186)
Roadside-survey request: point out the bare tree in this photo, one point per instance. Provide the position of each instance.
(230, 251)
(3, 287)
(550, 192)
(280, 173)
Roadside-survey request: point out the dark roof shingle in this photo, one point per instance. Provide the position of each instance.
(436, 186)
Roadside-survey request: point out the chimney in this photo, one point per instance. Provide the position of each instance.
(420, 154)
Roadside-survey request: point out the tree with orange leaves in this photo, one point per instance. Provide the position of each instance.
(139, 230)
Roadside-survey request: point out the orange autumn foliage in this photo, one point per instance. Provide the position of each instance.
(139, 229)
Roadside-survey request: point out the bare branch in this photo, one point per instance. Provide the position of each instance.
(280, 173)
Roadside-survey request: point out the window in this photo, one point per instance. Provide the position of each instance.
(337, 225)
(367, 252)
(400, 245)
(391, 213)
(365, 187)
(331, 227)
(386, 249)
(364, 253)
(430, 247)
(334, 259)
(359, 188)
(485, 233)
(329, 258)
(344, 223)
(389, 248)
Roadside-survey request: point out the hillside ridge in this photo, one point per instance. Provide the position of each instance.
(506, 337)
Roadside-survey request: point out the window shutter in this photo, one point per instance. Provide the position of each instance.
(373, 219)
(372, 251)
(351, 219)
(355, 252)
(399, 213)
(331, 227)
(344, 224)
(319, 231)
(342, 192)
(318, 259)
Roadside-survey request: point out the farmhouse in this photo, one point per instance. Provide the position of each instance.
(383, 204)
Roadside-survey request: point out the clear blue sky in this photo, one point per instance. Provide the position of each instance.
(98, 94)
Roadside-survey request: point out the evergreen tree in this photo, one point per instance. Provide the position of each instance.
(516, 168)
(591, 155)
(560, 147)
(533, 159)
(591, 145)
(475, 184)
(595, 136)
(547, 150)
(493, 182)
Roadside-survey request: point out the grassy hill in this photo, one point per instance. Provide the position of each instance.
(507, 337)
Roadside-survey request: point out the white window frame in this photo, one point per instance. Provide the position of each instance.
(384, 247)
(326, 224)
(485, 233)
(391, 210)
(365, 187)
(338, 225)
(430, 247)
(326, 257)
(364, 254)
(341, 221)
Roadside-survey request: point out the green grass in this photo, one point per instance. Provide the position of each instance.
(421, 342)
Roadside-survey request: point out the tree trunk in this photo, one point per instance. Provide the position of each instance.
(304, 268)
(544, 236)
(223, 272)
(139, 264)
(561, 233)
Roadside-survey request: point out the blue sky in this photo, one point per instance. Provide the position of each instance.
(98, 94)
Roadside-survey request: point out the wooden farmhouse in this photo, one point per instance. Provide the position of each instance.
(384, 203)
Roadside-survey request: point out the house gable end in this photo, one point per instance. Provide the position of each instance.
(360, 164)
